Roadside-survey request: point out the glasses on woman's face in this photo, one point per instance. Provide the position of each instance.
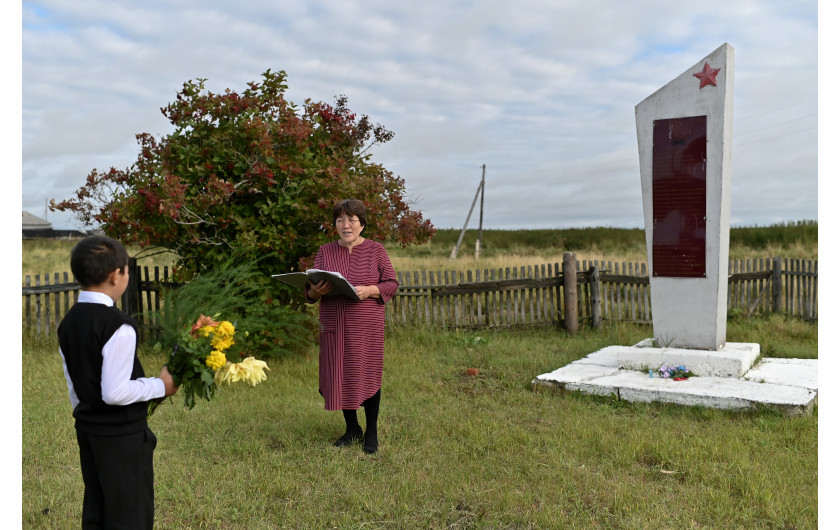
(347, 221)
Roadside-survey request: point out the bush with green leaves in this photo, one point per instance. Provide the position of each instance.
(250, 174)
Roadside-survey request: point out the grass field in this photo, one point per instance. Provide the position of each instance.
(455, 451)
(488, 451)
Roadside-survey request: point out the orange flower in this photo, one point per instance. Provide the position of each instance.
(202, 321)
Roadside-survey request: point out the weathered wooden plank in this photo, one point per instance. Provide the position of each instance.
(733, 283)
(622, 293)
(486, 300)
(481, 299)
(584, 291)
(544, 295)
(28, 290)
(399, 309)
(514, 298)
(442, 303)
(417, 297)
(810, 295)
(519, 296)
(450, 311)
(467, 299)
(551, 274)
(66, 296)
(510, 284)
(157, 291)
(458, 277)
(47, 307)
(570, 315)
(38, 323)
(432, 301)
(595, 300)
(27, 301)
(508, 298)
(426, 310)
(799, 290)
(759, 275)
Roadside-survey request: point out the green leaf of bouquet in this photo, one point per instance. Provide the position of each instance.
(207, 377)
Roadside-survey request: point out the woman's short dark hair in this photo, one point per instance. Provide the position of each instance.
(350, 207)
(95, 257)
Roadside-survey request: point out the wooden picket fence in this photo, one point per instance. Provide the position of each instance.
(606, 291)
(520, 296)
(532, 295)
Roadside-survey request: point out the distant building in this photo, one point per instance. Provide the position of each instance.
(30, 222)
(34, 227)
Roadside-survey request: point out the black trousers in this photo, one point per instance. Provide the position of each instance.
(119, 480)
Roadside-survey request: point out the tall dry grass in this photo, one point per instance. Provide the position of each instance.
(504, 248)
(47, 256)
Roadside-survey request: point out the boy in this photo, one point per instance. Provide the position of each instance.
(108, 391)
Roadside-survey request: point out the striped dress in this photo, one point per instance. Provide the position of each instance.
(353, 332)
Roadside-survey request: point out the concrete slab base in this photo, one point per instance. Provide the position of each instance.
(789, 385)
(733, 360)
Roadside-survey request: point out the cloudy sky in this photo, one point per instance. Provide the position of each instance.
(542, 93)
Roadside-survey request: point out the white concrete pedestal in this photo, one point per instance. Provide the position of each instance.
(789, 385)
(733, 360)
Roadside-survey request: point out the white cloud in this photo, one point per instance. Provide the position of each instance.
(542, 93)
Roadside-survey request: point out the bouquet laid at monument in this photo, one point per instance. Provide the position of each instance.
(677, 373)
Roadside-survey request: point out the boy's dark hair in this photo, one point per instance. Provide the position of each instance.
(350, 207)
(95, 257)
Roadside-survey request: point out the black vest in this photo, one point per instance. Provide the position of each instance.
(82, 334)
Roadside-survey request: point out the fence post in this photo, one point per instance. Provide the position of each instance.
(131, 296)
(595, 296)
(570, 296)
(777, 284)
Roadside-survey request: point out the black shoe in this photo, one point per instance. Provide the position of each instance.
(350, 436)
(371, 443)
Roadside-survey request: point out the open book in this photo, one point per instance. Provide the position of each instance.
(340, 285)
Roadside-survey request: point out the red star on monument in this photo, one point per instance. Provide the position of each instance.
(707, 76)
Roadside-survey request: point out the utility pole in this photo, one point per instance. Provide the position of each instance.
(480, 214)
(463, 230)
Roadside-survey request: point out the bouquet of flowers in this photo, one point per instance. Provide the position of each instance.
(677, 373)
(198, 362)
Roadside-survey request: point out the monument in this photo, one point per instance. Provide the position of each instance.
(684, 133)
(685, 152)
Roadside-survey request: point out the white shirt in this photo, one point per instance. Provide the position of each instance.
(117, 363)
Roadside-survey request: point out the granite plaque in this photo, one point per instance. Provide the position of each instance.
(679, 197)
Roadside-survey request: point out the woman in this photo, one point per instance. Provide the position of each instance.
(353, 332)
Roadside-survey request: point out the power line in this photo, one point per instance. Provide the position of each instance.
(776, 109)
(777, 124)
(774, 137)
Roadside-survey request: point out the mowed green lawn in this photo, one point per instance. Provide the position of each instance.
(456, 451)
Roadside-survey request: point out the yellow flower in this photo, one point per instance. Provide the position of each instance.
(223, 336)
(225, 329)
(215, 360)
(251, 370)
(221, 343)
(206, 330)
